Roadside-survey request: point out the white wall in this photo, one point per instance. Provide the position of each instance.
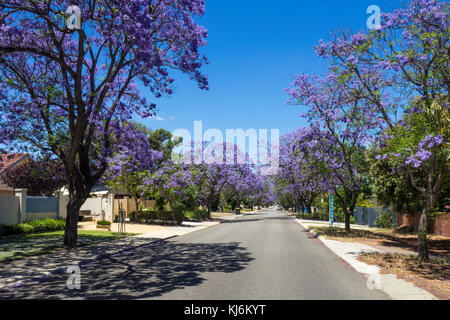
(9, 210)
(98, 205)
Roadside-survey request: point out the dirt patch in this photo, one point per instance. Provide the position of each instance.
(438, 245)
(433, 276)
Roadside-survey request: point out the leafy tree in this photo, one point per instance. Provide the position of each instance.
(392, 186)
(163, 140)
(404, 61)
(41, 177)
(61, 89)
(340, 129)
(133, 157)
(174, 182)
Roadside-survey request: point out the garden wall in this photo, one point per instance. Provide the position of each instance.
(41, 208)
(9, 210)
(440, 225)
(22, 208)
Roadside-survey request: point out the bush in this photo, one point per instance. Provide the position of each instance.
(179, 210)
(47, 224)
(152, 217)
(103, 223)
(197, 214)
(384, 220)
(33, 226)
(179, 217)
(23, 228)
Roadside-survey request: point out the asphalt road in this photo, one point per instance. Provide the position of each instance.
(259, 256)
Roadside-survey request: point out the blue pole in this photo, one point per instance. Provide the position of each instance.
(331, 209)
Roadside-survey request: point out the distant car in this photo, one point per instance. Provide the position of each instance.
(279, 208)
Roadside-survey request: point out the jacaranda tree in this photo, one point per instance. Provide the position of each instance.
(340, 130)
(403, 65)
(131, 161)
(299, 179)
(61, 87)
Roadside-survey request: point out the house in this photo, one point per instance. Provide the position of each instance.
(104, 203)
(7, 162)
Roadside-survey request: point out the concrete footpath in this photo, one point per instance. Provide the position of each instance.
(397, 289)
(33, 269)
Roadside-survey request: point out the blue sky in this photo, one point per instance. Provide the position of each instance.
(255, 47)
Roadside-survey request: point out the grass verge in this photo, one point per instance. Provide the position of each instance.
(20, 246)
(390, 240)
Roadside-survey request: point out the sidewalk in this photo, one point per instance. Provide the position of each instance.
(36, 268)
(397, 289)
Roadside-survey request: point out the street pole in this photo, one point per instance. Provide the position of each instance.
(331, 202)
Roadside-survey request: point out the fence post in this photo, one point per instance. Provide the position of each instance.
(62, 205)
(22, 195)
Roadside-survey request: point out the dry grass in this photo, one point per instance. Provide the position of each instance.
(438, 245)
(433, 276)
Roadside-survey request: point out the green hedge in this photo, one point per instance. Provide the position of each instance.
(147, 216)
(103, 223)
(33, 226)
(197, 214)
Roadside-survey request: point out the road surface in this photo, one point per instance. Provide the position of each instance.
(259, 256)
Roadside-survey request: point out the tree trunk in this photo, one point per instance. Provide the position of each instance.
(71, 231)
(136, 216)
(347, 221)
(422, 244)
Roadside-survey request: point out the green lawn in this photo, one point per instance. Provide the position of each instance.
(16, 247)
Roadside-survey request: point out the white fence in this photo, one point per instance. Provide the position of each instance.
(22, 208)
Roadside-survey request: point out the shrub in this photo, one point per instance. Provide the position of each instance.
(179, 217)
(179, 210)
(33, 226)
(103, 223)
(384, 220)
(132, 216)
(47, 224)
(23, 228)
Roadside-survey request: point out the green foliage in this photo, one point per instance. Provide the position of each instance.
(363, 201)
(391, 182)
(179, 208)
(153, 217)
(197, 214)
(33, 226)
(384, 220)
(163, 140)
(160, 203)
(103, 223)
(339, 215)
(320, 215)
(47, 224)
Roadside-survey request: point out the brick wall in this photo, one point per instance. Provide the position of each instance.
(440, 226)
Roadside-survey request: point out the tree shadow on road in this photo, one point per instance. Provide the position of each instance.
(147, 272)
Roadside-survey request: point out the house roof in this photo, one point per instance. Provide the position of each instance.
(99, 190)
(10, 160)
